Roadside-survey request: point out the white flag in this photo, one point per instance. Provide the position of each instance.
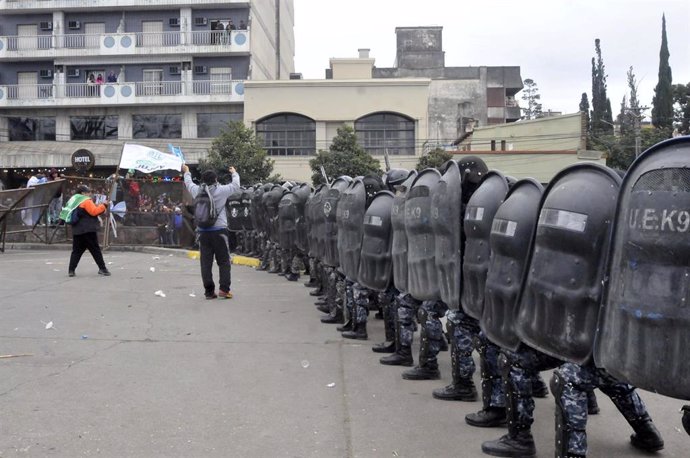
(147, 160)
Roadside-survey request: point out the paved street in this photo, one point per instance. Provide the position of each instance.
(124, 372)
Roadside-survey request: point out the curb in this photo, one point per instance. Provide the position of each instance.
(236, 259)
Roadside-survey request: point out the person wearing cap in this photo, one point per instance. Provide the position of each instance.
(85, 229)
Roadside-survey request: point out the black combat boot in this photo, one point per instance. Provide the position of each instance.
(686, 418)
(646, 436)
(488, 417)
(461, 390)
(401, 357)
(358, 332)
(347, 326)
(513, 444)
(333, 317)
(427, 370)
(312, 283)
(292, 277)
(323, 308)
(539, 389)
(317, 292)
(384, 347)
(592, 404)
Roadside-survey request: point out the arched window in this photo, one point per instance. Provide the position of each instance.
(287, 134)
(379, 132)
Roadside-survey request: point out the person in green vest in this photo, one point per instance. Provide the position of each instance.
(82, 214)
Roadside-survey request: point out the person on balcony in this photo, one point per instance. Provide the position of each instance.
(112, 78)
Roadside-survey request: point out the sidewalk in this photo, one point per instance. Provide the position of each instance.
(124, 372)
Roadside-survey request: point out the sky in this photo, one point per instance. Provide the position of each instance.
(552, 41)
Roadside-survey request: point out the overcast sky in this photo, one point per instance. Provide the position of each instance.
(551, 40)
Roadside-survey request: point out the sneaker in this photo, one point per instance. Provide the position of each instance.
(211, 296)
(71, 273)
(104, 272)
(224, 294)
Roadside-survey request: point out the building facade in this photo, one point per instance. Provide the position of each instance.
(296, 118)
(77, 74)
(537, 148)
(459, 97)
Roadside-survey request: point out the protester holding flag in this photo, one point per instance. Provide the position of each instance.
(85, 228)
(214, 240)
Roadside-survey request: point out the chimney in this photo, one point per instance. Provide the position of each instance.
(363, 53)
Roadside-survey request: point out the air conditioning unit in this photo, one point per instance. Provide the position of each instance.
(174, 70)
(73, 73)
(45, 25)
(74, 25)
(46, 73)
(200, 21)
(174, 22)
(200, 69)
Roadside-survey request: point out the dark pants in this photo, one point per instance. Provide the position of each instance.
(81, 243)
(214, 244)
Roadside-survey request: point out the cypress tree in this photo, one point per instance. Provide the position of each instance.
(584, 108)
(662, 103)
(601, 116)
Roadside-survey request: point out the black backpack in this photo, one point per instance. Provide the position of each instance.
(205, 212)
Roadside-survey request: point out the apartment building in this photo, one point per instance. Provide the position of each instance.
(91, 75)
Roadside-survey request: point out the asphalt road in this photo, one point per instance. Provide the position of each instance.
(124, 372)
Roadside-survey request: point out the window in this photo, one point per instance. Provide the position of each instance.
(93, 127)
(386, 131)
(31, 129)
(288, 135)
(157, 126)
(210, 125)
(503, 145)
(493, 145)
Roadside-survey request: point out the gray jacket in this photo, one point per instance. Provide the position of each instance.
(220, 193)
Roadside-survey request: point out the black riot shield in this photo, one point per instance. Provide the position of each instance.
(317, 235)
(399, 246)
(644, 328)
(376, 263)
(233, 210)
(330, 208)
(287, 221)
(511, 233)
(561, 292)
(256, 212)
(446, 222)
(422, 280)
(479, 216)
(271, 202)
(247, 218)
(302, 192)
(350, 219)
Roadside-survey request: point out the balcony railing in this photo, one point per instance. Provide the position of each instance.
(127, 43)
(80, 4)
(128, 92)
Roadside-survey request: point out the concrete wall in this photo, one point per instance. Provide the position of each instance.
(264, 40)
(542, 167)
(546, 134)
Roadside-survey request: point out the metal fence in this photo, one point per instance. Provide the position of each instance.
(31, 213)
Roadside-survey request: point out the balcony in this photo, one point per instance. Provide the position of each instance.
(206, 42)
(128, 93)
(31, 6)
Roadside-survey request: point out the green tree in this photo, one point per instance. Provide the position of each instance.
(433, 159)
(584, 108)
(344, 157)
(601, 118)
(681, 103)
(530, 94)
(622, 149)
(238, 146)
(662, 103)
